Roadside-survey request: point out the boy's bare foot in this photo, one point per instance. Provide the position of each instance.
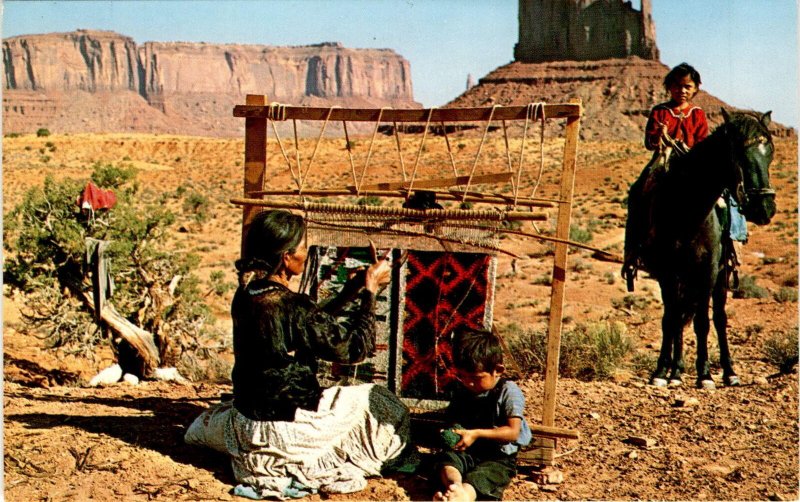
(457, 493)
(438, 496)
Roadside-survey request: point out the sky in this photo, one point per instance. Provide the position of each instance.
(745, 50)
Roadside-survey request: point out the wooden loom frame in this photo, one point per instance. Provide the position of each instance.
(257, 112)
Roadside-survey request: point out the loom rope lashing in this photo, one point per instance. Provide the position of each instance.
(419, 152)
(369, 151)
(478, 153)
(277, 111)
(537, 110)
(304, 177)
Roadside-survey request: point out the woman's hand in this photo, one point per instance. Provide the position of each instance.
(378, 275)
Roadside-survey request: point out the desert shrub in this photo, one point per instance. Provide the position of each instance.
(197, 205)
(155, 287)
(781, 350)
(578, 234)
(218, 284)
(630, 302)
(42, 132)
(512, 225)
(785, 295)
(580, 266)
(643, 363)
(112, 176)
(13, 135)
(588, 351)
(370, 200)
(749, 289)
(543, 280)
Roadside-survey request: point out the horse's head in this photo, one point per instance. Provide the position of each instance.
(752, 151)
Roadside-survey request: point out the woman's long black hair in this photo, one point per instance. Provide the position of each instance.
(271, 234)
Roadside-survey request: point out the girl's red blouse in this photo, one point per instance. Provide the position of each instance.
(689, 126)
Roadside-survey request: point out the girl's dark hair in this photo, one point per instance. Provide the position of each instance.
(476, 350)
(679, 72)
(271, 234)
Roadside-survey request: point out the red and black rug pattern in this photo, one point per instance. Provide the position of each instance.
(443, 292)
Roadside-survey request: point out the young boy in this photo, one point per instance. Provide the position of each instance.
(489, 409)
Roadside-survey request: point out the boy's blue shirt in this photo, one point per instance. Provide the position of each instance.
(504, 401)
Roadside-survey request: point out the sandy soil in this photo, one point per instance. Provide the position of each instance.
(66, 441)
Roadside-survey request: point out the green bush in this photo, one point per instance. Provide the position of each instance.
(630, 302)
(370, 200)
(588, 351)
(218, 284)
(749, 289)
(41, 133)
(581, 235)
(155, 289)
(781, 350)
(112, 176)
(785, 295)
(197, 205)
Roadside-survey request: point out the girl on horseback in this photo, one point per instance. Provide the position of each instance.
(673, 127)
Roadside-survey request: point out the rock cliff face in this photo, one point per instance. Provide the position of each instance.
(557, 30)
(101, 81)
(617, 94)
(601, 51)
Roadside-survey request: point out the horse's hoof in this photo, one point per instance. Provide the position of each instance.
(658, 382)
(732, 381)
(675, 382)
(706, 384)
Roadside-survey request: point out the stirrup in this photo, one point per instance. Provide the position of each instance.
(629, 272)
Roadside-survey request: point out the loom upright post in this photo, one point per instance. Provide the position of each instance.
(255, 159)
(559, 280)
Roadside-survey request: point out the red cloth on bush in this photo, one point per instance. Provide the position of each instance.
(94, 198)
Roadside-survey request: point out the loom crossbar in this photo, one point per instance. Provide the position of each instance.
(483, 114)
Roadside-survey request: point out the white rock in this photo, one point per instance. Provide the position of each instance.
(110, 375)
(130, 379)
(169, 375)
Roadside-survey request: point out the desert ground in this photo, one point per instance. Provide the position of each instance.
(65, 440)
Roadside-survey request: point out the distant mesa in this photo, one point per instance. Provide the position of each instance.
(101, 81)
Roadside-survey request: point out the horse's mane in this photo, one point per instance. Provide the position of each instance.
(748, 122)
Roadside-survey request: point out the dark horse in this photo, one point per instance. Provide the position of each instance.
(685, 247)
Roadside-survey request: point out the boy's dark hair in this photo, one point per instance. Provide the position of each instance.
(679, 72)
(476, 350)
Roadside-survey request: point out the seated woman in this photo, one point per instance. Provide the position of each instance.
(287, 436)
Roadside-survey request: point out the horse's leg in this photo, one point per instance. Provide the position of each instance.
(701, 329)
(677, 368)
(720, 296)
(669, 322)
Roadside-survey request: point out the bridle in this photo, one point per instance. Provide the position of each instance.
(742, 194)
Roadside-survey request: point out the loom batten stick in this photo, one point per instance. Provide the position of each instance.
(419, 214)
